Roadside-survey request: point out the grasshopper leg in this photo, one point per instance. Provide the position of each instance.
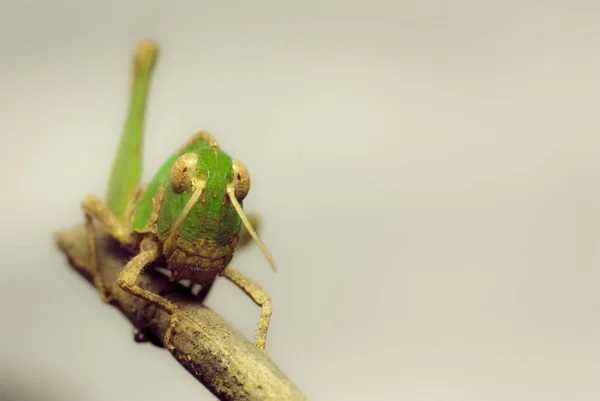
(259, 296)
(128, 278)
(127, 165)
(143, 336)
(139, 336)
(204, 290)
(94, 208)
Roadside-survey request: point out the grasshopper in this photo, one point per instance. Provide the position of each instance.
(188, 217)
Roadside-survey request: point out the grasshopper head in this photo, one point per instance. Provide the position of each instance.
(186, 175)
(203, 209)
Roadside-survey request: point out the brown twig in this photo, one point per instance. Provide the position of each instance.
(213, 351)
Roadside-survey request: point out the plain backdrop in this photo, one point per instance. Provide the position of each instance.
(428, 173)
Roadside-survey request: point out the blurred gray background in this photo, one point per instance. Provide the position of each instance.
(428, 172)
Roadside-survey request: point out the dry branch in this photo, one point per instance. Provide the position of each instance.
(213, 351)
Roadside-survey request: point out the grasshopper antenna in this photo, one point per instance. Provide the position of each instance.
(253, 234)
(188, 206)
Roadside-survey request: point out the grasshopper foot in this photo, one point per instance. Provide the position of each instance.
(261, 340)
(145, 336)
(171, 331)
(139, 336)
(105, 295)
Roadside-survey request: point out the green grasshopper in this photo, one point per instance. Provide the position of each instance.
(189, 216)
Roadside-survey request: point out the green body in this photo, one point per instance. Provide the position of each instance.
(212, 219)
(188, 216)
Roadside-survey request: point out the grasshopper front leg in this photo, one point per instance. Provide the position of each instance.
(128, 278)
(259, 296)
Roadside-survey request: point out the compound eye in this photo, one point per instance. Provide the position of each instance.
(241, 180)
(182, 172)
